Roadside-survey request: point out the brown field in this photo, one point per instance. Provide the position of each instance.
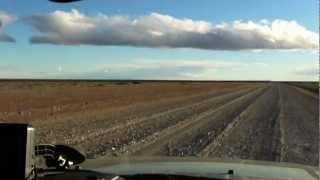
(228, 120)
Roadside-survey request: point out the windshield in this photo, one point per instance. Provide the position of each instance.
(225, 80)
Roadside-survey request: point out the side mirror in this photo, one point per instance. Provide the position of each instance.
(16, 150)
(59, 156)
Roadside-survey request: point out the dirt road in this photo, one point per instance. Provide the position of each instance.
(261, 121)
(276, 122)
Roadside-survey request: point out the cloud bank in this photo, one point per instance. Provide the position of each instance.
(158, 30)
(163, 69)
(139, 69)
(5, 19)
(308, 70)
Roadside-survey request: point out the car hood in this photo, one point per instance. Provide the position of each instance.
(243, 169)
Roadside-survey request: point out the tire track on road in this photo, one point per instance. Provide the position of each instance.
(306, 100)
(112, 140)
(300, 124)
(308, 93)
(283, 146)
(189, 138)
(71, 130)
(255, 135)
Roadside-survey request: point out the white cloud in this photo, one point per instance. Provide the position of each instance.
(5, 19)
(59, 69)
(7, 71)
(163, 69)
(308, 70)
(260, 64)
(139, 69)
(257, 50)
(158, 30)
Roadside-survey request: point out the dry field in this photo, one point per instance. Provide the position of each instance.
(230, 120)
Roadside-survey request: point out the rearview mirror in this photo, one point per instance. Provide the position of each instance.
(63, 1)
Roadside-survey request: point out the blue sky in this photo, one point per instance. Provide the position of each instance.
(176, 49)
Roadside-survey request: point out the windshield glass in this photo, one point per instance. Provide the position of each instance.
(124, 79)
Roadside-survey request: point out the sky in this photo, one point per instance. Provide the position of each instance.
(167, 39)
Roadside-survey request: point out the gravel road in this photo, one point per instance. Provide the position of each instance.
(270, 121)
(276, 122)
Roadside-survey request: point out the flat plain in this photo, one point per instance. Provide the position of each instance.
(272, 121)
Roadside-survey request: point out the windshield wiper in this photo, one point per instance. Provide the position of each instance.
(85, 174)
